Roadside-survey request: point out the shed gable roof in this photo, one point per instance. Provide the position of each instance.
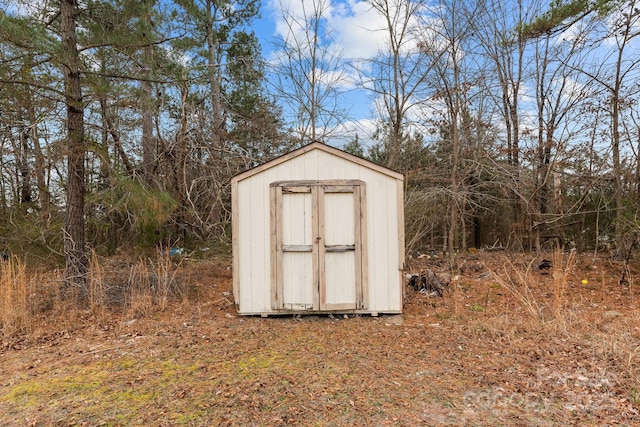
(318, 146)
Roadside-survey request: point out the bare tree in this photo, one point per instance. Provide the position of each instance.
(146, 97)
(624, 29)
(496, 24)
(613, 72)
(559, 96)
(445, 40)
(615, 66)
(309, 73)
(201, 159)
(398, 74)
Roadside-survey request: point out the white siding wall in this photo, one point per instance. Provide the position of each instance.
(253, 229)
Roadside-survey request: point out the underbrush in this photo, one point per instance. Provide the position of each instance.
(29, 299)
(564, 316)
(576, 311)
(16, 298)
(506, 344)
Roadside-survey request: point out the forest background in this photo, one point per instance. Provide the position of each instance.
(516, 124)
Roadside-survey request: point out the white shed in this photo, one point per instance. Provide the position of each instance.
(318, 230)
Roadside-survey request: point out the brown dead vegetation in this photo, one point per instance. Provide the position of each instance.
(161, 344)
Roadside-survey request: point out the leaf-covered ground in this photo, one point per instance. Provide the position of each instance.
(541, 351)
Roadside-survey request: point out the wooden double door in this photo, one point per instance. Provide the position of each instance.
(318, 255)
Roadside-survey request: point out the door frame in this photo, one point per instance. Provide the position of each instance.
(318, 190)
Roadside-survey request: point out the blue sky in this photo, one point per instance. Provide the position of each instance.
(355, 33)
(265, 27)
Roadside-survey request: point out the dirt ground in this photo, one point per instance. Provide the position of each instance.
(505, 345)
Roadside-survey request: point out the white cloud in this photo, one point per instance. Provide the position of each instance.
(177, 56)
(357, 33)
(39, 9)
(358, 29)
(575, 34)
(354, 26)
(336, 79)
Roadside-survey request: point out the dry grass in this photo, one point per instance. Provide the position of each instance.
(136, 290)
(166, 271)
(515, 348)
(518, 282)
(97, 295)
(522, 282)
(16, 288)
(563, 267)
(151, 284)
(139, 291)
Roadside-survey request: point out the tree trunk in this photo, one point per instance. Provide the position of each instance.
(214, 77)
(75, 255)
(181, 167)
(453, 208)
(43, 189)
(638, 170)
(217, 141)
(559, 209)
(23, 166)
(146, 102)
(117, 144)
(148, 147)
(617, 171)
(628, 33)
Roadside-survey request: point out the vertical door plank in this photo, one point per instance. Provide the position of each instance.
(297, 265)
(235, 242)
(338, 289)
(361, 245)
(401, 254)
(276, 247)
(318, 245)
